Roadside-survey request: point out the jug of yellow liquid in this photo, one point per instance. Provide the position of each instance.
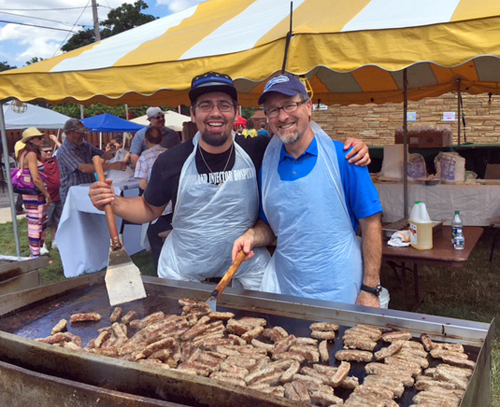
(420, 227)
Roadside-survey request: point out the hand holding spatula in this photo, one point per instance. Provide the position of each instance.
(123, 277)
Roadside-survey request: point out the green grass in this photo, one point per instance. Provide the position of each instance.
(470, 292)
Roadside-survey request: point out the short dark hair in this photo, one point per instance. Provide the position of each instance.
(46, 144)
(262, 125)
(153, 135)
(118, 139)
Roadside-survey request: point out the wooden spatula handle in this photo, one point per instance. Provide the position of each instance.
(229, 275)
(108, 210)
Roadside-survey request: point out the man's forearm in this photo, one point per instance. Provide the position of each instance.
(263, 234)
(136, 210)
(372, 249)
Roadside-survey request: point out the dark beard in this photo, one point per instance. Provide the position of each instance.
(214, 141)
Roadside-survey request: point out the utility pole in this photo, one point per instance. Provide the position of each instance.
(96, 21)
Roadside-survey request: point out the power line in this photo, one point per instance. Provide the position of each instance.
(48, 9)
(35, 25)
(67, 35)
(38, 18)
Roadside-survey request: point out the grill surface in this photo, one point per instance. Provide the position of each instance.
(36, 320)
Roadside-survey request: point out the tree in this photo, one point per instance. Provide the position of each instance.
(80, 39)
(119, 19)
(127, 16)
(34, 60)
(4, 66)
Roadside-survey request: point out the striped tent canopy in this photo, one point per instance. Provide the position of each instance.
(350, 51)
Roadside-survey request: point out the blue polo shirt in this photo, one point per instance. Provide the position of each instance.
(361, 196)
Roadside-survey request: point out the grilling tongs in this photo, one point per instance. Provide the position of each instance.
(212, 301)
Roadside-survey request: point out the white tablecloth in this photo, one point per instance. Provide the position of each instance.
(477, 204)
(83, 235)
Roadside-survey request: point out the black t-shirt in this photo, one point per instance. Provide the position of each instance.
(164, 181)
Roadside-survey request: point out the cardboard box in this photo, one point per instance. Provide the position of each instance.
(425, 137)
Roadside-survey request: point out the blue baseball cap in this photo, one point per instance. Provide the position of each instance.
(212, 82)
(285, 84)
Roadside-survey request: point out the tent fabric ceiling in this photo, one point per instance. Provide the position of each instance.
(351, 52)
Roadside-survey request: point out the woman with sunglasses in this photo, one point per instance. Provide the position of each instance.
(35, 204)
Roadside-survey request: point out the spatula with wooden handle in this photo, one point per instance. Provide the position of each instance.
(123, 278)
(212, 301)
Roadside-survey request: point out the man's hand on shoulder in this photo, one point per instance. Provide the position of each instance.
(368, 300)
(101, 193)
(359, 155)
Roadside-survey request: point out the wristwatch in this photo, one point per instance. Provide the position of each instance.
(372, 290)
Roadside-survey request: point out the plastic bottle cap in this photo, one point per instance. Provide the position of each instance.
(418, 202)
(457, 212)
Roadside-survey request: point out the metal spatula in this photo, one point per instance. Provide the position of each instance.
(123, 277)
(212, 301)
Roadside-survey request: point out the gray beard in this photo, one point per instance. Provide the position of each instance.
(214, 141)
(287, 140)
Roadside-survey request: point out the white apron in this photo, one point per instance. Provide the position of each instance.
(318, 254)
(208, 218)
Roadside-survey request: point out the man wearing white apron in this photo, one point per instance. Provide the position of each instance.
(212, 183)
(312, 202)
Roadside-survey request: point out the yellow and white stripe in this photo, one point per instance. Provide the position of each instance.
(351, 51)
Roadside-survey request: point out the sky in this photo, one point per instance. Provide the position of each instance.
(20, 43)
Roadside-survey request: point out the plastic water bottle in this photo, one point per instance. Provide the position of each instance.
(457, 232)
(420, 227)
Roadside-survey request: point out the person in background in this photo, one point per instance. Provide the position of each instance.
(35, 205)
(312, 201)
(212, 183)
(120, 153)
(75, 158)
(18, 147)
(156, 118)
(53, 182)
(262, 131)
(143, 172)
(189, 130)
(249, 130)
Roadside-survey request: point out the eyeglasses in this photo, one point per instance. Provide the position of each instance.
(209, 106)
(288, 108)
(159, 117)
(47, 151)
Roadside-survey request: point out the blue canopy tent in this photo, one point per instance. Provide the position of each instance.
(107, 123)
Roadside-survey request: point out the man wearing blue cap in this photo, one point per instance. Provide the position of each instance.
(212, 183)
(313, 201)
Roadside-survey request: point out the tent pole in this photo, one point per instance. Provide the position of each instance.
(459, 81)
(288, 38)
(405, 143)
(100, 140)
(9, 182)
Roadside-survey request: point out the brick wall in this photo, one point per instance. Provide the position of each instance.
(376, 124)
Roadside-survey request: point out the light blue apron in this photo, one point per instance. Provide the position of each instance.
(206, 221)
(318, 254)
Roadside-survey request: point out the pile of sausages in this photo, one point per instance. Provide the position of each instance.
(244, 352)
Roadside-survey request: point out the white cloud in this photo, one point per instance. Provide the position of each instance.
(179, 5)
(20, 43)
